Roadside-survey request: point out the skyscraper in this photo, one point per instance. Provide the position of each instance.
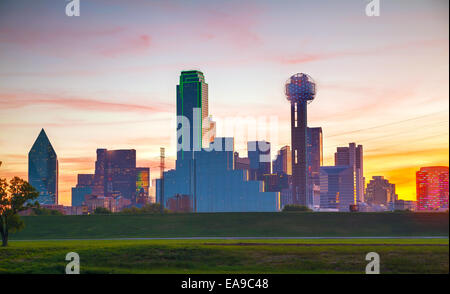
(300, 90)
(116, 175)
(43, 169)
(353, 156)
(432, 188)
(207, 176)
(380, 192)
(192, 112)
(337, 187)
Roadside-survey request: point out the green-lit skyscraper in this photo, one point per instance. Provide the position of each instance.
(192, 110)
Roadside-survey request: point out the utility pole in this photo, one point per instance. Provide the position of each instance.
(161, 177)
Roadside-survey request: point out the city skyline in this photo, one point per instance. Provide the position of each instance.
(120, 94)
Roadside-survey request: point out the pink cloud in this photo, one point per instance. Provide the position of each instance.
(63, 42)
(17, 100)
(311, 57)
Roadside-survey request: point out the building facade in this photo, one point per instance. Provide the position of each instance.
(353, 156)
(380, 192)
(337, 188)
(315, 161)
(259, 158)
(116, 175)
(43, 170)
(432, 188)
(283, 162)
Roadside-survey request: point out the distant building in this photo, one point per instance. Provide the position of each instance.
(314, 152)
(113, 204)
(380, 192)
(214, 185)
(353, 156)
(142, 182)
(337, 188)
(78, 195)
(276, 182)
(432, 188)
(180, 203)
(116, 175)
(242, 163)
(400, 204)
(43, 170)
(283, 162)
(260, 161)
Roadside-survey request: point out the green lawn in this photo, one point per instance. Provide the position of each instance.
(235, 225)
(227, 256)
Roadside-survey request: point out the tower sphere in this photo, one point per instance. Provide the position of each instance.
(300, 88)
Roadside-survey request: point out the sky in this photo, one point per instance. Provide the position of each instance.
(107, 78)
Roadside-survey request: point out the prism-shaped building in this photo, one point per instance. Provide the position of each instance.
(43, 169)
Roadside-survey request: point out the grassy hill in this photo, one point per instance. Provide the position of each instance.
(305, 224)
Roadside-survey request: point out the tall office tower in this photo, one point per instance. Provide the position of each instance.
(353, 156)
(116, 170)
(300, 90)
(315, 161)
(337, 187)
(380, 192)
(43, 169)
(432, 188)
(259, 157)
(283, 163)
(192, 113)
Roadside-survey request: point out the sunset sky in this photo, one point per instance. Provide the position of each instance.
(107, 79)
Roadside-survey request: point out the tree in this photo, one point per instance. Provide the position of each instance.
(102, 210)
(14, 197)
(45, 211)
(296, 207)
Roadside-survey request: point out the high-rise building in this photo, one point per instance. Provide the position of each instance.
(337, 187)
(208, 176)
(216, 186)
(259, 157)
(300, 90)
(192, 113)
(432, 188)
(380, 192)
(283, 162)
(353, 156)
(116, 175)
(315, 161)
(43, 170)
(116, 170)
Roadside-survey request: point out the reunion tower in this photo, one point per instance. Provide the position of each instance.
(300, 90)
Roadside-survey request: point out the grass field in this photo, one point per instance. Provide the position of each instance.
(235, 225)
(227, 256)
(29, 252)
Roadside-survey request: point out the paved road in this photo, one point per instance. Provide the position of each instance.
(247, 238)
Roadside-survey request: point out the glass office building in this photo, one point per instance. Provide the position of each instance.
(43, 169)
